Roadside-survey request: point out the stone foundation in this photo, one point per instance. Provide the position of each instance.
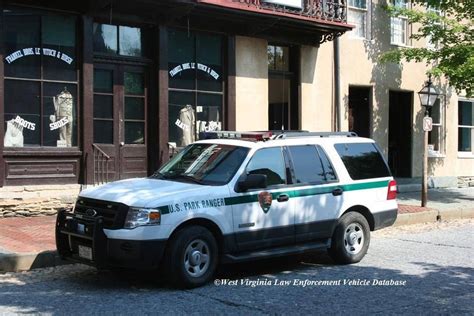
(36, 200)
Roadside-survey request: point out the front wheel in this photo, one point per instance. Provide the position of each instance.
(351, 239)
(191, 258)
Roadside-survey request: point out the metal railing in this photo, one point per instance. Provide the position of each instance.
(101, 165)
(330, 10)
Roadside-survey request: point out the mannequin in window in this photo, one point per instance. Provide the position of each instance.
(63, 111)
(13, 134)
(187, 128)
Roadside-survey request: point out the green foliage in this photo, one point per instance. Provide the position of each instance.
(453, 31)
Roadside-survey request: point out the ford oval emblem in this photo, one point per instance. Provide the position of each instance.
(91, 212)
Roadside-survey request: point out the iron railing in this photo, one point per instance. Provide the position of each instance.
(101, 165)
(329, 10)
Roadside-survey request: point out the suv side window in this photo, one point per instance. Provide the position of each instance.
(362, 160)
(308, 166)
(328, 168)
(268, 161)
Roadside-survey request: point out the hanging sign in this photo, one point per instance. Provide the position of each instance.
(187, 66)
(24, 123)
(58, 124)
(427, 124)
(32, 51)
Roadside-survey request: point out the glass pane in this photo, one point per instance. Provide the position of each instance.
(182, 62)
(134, 133)
(134, 108)
(358, 3)
(271, 57)
(434, 138)
(465, 141)
(209, 62)
(59, 115)
(466, 113)
(282, 59)
(362, 161)
(105, 38)
(134, 83)
(436, 112)
(22, 114)
(269, 162)
(103, 132)
(358, 19)
(130, 41)
(208, 113)
(103, 81)
(306, 163)
(182, 118)
(22, 31)
(103, 106)
(59, 48)
(328, 168)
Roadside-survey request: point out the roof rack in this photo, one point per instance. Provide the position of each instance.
(251, 136)
(314, 134)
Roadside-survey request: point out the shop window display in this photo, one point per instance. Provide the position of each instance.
(40, 80)
(195, 85)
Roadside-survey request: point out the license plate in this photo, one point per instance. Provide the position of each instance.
(81, 228)
(85, 252)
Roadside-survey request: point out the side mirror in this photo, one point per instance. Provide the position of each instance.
(252, 181)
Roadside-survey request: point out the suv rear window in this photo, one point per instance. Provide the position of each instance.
(362, 160)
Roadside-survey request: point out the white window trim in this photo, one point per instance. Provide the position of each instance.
(429, 44)
(466, 154)
(441, 153)
(365, 10)
(407, 28)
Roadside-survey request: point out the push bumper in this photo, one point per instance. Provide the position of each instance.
(80, 238)
(385, 218)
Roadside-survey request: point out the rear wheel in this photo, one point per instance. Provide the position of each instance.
(351, 239)
(191, 258)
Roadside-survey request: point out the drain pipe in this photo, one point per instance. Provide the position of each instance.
(337, 85)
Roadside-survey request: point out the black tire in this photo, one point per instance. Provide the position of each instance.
(184, 270)
(351, 239)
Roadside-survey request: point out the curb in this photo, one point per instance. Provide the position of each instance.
(433, 216)
(15, 262)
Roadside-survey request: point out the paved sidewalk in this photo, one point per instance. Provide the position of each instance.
(29, 242)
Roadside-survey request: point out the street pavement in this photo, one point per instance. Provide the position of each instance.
(415, 269)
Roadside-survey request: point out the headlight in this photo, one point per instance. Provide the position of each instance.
(142, 217)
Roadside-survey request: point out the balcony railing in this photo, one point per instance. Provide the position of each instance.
(328, 10)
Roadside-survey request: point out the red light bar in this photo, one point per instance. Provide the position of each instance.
(254, 136)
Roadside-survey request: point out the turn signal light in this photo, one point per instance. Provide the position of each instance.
(392, 190)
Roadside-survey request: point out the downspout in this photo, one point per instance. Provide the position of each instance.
(337, 85)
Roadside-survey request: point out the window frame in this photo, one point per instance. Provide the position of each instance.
(439, 12)
(442, 130)
(466, 154)
(404, 23)
(77, 109)
(366, 11)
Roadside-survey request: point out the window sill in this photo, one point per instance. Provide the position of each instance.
(465, 155)
(436, 154)
(401, 45)
(31, 151)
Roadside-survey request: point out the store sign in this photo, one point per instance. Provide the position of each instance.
(188, 66)
(287, 3)
(32, 51)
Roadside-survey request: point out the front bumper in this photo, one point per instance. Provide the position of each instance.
(80, 238)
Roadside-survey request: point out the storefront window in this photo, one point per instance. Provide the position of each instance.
(195, 85)
(40, 80)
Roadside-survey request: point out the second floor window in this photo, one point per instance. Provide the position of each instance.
(357, 15)
(399, 28)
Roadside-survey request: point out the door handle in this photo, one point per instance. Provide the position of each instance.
(122, 144)
(283, 198)
(337, 192)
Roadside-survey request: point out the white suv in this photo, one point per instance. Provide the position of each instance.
(236, 197)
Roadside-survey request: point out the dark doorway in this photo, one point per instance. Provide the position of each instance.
(359, 110)
(120, 110)
(283, 107)
(400, 133)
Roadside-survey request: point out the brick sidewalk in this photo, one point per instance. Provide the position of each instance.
(27, 234)
(403, 209)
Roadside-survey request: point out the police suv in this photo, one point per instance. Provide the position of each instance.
(234, 197)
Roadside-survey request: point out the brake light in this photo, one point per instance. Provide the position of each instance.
(253, 136)
(392, 190)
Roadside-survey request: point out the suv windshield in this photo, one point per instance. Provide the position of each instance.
(213, 164)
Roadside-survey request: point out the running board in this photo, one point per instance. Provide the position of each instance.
(276, 252)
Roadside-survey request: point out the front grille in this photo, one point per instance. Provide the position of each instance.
(113, 214)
